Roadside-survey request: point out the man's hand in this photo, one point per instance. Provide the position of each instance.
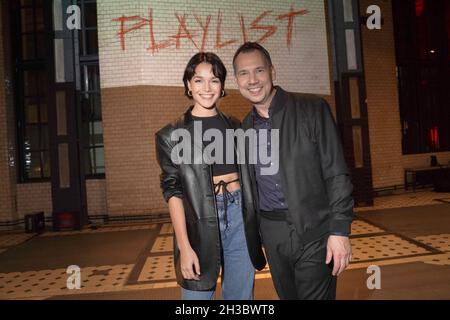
(340, 250)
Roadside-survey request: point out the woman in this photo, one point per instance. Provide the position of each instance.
(211, 205)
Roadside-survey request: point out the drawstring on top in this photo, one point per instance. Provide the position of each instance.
(222, 185)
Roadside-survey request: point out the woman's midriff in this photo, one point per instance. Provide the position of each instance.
(233, 186)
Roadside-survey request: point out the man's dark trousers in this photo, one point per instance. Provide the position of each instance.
(297, 272)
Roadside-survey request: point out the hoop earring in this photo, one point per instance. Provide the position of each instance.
(223, 93)
(189, 93)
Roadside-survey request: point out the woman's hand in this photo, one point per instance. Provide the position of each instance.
(190, 266)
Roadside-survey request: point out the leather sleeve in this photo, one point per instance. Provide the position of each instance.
(334, 170)
(169, 178)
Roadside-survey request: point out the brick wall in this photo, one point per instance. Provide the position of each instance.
(34, 197)
(131, 116)
(96, 196)
(298, 44)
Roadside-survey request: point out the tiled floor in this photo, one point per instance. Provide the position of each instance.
(9, 239)
(381, 235)
(409, 199)
(102, 229)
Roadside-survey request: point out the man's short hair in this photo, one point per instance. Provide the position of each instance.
(250, 47)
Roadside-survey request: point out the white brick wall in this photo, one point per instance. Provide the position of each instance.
(302, 66)
(96, 196)
(36, 197)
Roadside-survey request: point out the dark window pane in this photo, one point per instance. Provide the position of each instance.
(30, 80)
(44, 112)
(421, 38)
(99, 158)
(93, 78)
(33, 166)
(32, 137)
(32, 89)
(42, 84)
(42, 45)
(26, 20)
(27, 46)
(39, 19)
(447, 23)
(44, 137)
(91, 42)
(92, 159)
(26, 2)
(87, 162)
(90, 15)
(91, 108)
(31, 110)
(97, 107)
(46, 164)
(96, 133)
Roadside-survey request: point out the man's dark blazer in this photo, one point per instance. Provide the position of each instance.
(314, 175)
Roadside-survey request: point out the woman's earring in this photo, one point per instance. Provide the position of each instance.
(223, 93)
(189, 93)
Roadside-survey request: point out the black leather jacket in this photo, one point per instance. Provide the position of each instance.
(194, 185)
(315, 179)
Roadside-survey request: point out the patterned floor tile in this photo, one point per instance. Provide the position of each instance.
(157, 269)
(13, 239)
(166, 228)
(438, 241)
(440, 260)
(163, 244)
(382, 247)
(16, 285)
(361, 227)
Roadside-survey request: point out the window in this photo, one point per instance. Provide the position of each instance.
(32, 27)
(31, 83)
(422, 33)
(91, 129)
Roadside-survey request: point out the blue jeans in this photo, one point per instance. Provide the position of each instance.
(238, 273)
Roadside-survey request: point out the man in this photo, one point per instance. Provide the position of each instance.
(306, 207)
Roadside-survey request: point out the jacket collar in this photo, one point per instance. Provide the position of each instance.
(277, 104)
